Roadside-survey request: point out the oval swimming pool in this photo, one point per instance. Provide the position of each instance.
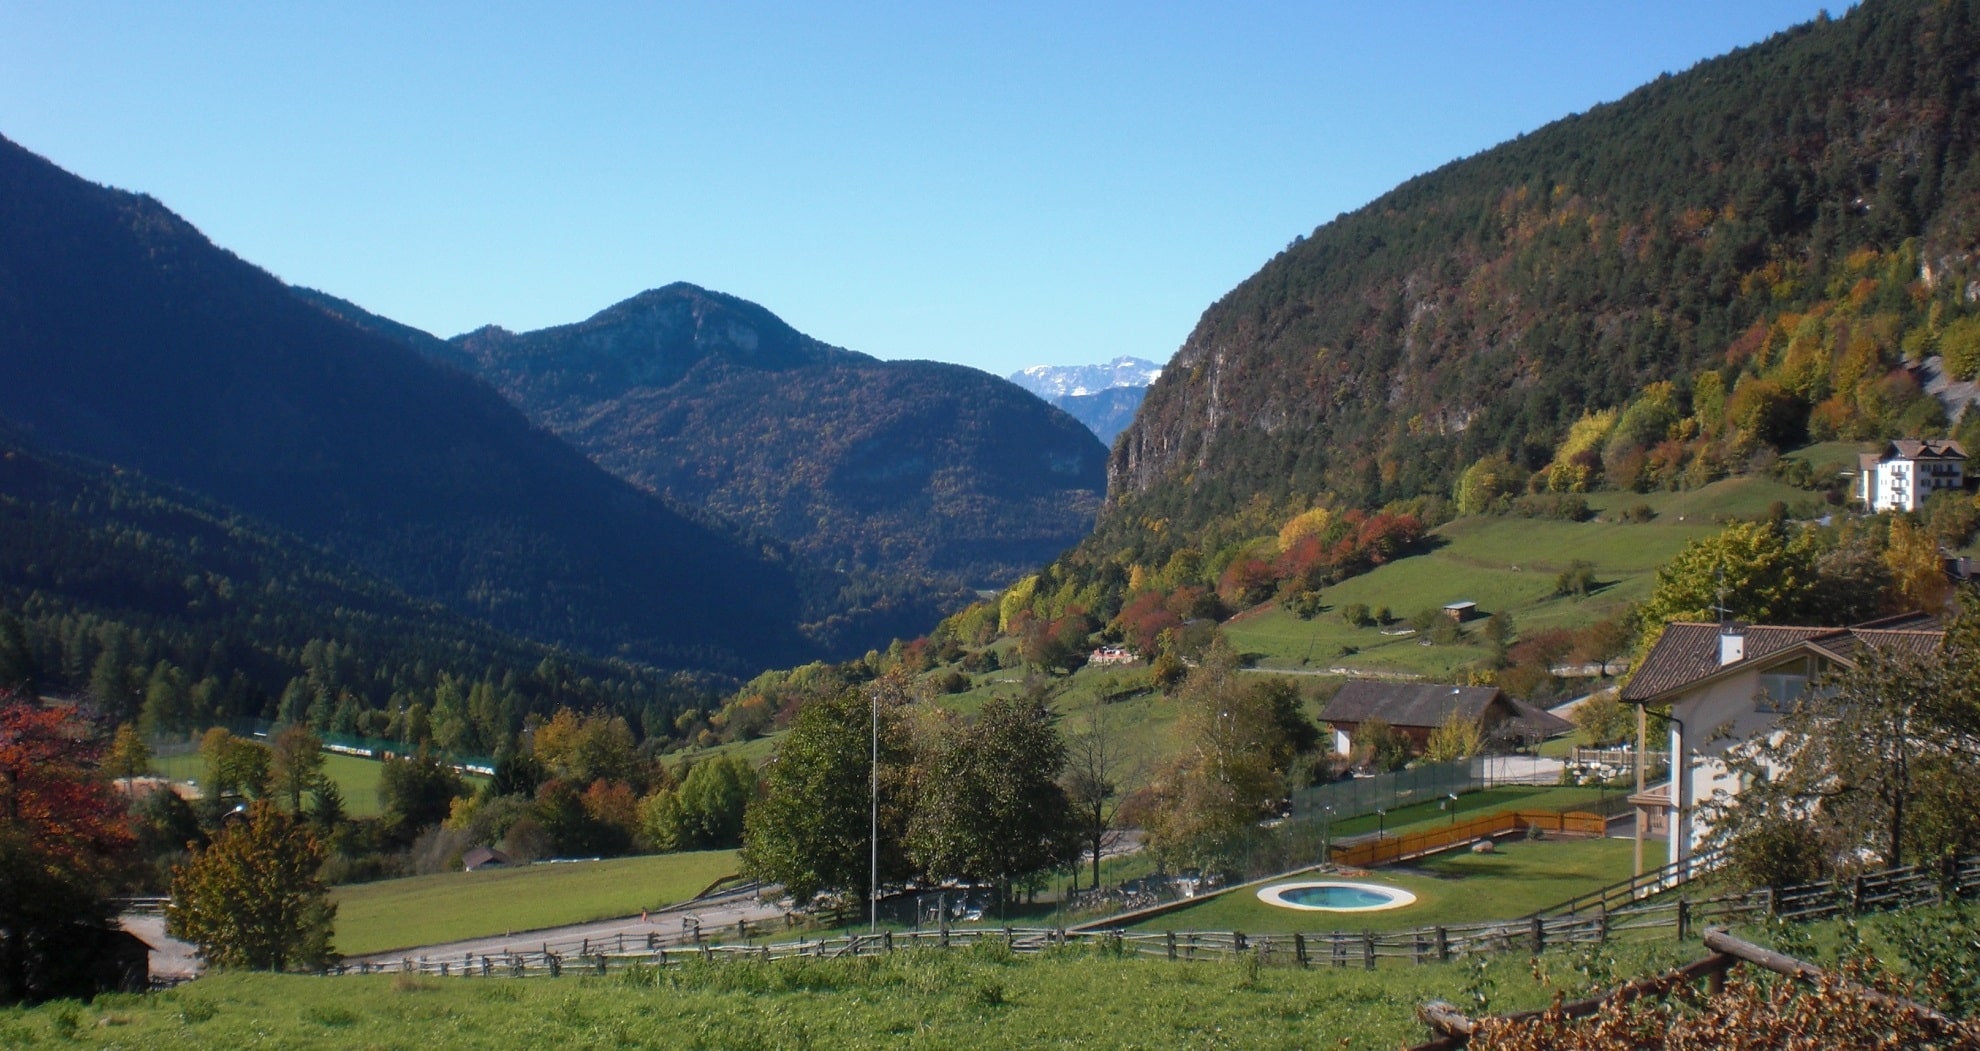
(1330, 896)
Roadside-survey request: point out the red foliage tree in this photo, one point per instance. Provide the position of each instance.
(64, 835)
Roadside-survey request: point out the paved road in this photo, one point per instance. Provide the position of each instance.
(673, 925)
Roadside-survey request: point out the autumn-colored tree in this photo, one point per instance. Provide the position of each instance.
(252, 898)
(1918, 573)
(1455, 738)
(129, 755)
(63, 838)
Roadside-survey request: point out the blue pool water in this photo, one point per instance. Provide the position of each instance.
(1337, 897)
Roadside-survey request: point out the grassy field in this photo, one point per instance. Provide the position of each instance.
(1505, 565)
(356, 777)
(423, 910)
(1459, 887)
(966, 999)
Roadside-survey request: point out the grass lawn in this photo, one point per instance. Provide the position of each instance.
(423, 910)
(356, 777)
(1457, 887)
(927, 1000)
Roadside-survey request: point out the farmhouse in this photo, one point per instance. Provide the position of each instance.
(1416, 709)
(1722, 684)
(1908, 471)
(478, 858)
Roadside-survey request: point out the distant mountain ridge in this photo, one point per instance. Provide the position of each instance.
(1103, 397)
(1058, 381)
(917, 470)
(127, 337)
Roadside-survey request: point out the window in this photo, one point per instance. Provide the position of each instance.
(1782, 687)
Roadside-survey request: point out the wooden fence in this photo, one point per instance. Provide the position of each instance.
(1671, 915)
(1384, 849)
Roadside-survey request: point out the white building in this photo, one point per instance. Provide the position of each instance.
(1723, 685)
(1908, 471)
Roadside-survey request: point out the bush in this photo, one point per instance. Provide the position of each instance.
(1356, 615)
(1576, 580)
(1564, 507)
(1639, 514)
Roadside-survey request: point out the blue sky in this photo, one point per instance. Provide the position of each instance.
(993, 184)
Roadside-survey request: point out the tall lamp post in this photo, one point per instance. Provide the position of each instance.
(1451, 798)
(873, 829)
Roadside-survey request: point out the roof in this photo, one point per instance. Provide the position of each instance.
(1688, 653)
(1406, 703)
(1535, 721)
(477, 857)
(1924, 449)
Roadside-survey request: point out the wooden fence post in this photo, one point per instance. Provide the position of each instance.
(1539, 935)
(1172, 945)
(1443, 945)
(1856, 894)
(1368, 949)
(1683, 917)
(1299, 949)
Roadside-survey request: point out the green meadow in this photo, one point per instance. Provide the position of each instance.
(927, 999)
(448, 906)
(356, 777)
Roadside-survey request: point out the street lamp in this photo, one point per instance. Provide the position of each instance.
(873, 829)
(1381, 823)
(1326, 835)
(1452, 800)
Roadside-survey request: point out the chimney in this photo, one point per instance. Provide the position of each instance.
(1732, 643)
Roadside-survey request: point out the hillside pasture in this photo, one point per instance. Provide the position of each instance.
(1505, 564)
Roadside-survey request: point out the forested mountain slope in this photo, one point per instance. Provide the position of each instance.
(162, 607)
(1781, 234)
(127, 337)
(907, 468)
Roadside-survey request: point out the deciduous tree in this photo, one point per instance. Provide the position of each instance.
(63, 837)
(809, 832)
(252, 898)
(991, 808)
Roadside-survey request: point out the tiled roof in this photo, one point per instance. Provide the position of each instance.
(1688, 652)
(1406, 703)
(1915, 448)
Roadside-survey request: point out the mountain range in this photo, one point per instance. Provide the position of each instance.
(1103, 397)
(916, 470)
(128, 338)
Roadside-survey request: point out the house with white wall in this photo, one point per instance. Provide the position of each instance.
(1907, 471)
(1725, 684)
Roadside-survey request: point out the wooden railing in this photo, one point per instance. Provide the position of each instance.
(1666, 916)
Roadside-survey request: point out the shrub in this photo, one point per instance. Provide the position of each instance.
(1356, 614)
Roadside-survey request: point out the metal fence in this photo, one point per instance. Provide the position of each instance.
(169, 745)
(1365, 795)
